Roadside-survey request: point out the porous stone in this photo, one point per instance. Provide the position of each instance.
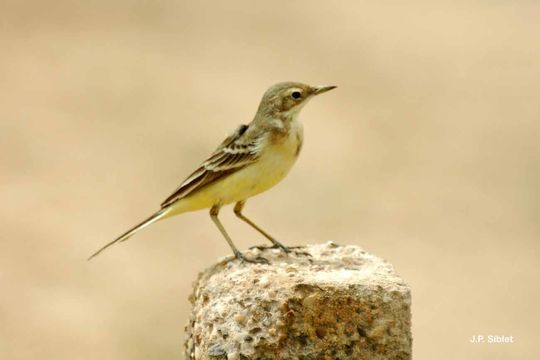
(339, 303)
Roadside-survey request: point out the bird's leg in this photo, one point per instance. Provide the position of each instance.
(238, 211)
(214, 211)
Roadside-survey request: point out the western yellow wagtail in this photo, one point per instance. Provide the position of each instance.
(251, 160)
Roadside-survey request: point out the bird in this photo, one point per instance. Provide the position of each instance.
(248, 162)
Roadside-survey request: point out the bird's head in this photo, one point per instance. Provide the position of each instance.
(284, 100)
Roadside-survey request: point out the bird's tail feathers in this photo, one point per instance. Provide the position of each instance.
(152, 219)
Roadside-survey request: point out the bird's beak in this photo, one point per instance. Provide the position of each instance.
(322, 89)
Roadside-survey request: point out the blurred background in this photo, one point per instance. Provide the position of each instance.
(427, 155)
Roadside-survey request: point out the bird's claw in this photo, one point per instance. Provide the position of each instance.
(298, 252)
(286, 249)
(257, 260)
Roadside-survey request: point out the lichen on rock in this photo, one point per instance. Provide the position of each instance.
(339, 303)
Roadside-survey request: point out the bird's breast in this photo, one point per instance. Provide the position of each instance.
(277, 158)
(287, 143)
(275, 162)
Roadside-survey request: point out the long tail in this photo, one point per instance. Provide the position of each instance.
(152, 219)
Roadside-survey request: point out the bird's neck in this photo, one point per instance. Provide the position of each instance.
(278, 122)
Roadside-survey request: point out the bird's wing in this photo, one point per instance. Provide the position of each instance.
(233, 154)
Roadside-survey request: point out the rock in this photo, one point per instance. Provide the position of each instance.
(340, 303)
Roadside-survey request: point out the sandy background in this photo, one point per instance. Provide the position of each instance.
(426, 155)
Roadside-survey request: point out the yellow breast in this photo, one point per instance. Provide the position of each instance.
(274, 164)
(277, 158)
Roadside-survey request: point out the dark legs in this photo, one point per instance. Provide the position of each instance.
(238, 211)
(214, 211)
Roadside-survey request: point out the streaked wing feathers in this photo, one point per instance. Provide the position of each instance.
(232, 155)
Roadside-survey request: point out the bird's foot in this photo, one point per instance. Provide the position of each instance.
(286, 249)
(257, 260)
(294, 250)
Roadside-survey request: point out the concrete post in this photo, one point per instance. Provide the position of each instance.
(340, 303)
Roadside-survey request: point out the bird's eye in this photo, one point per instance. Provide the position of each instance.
(296, 95)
